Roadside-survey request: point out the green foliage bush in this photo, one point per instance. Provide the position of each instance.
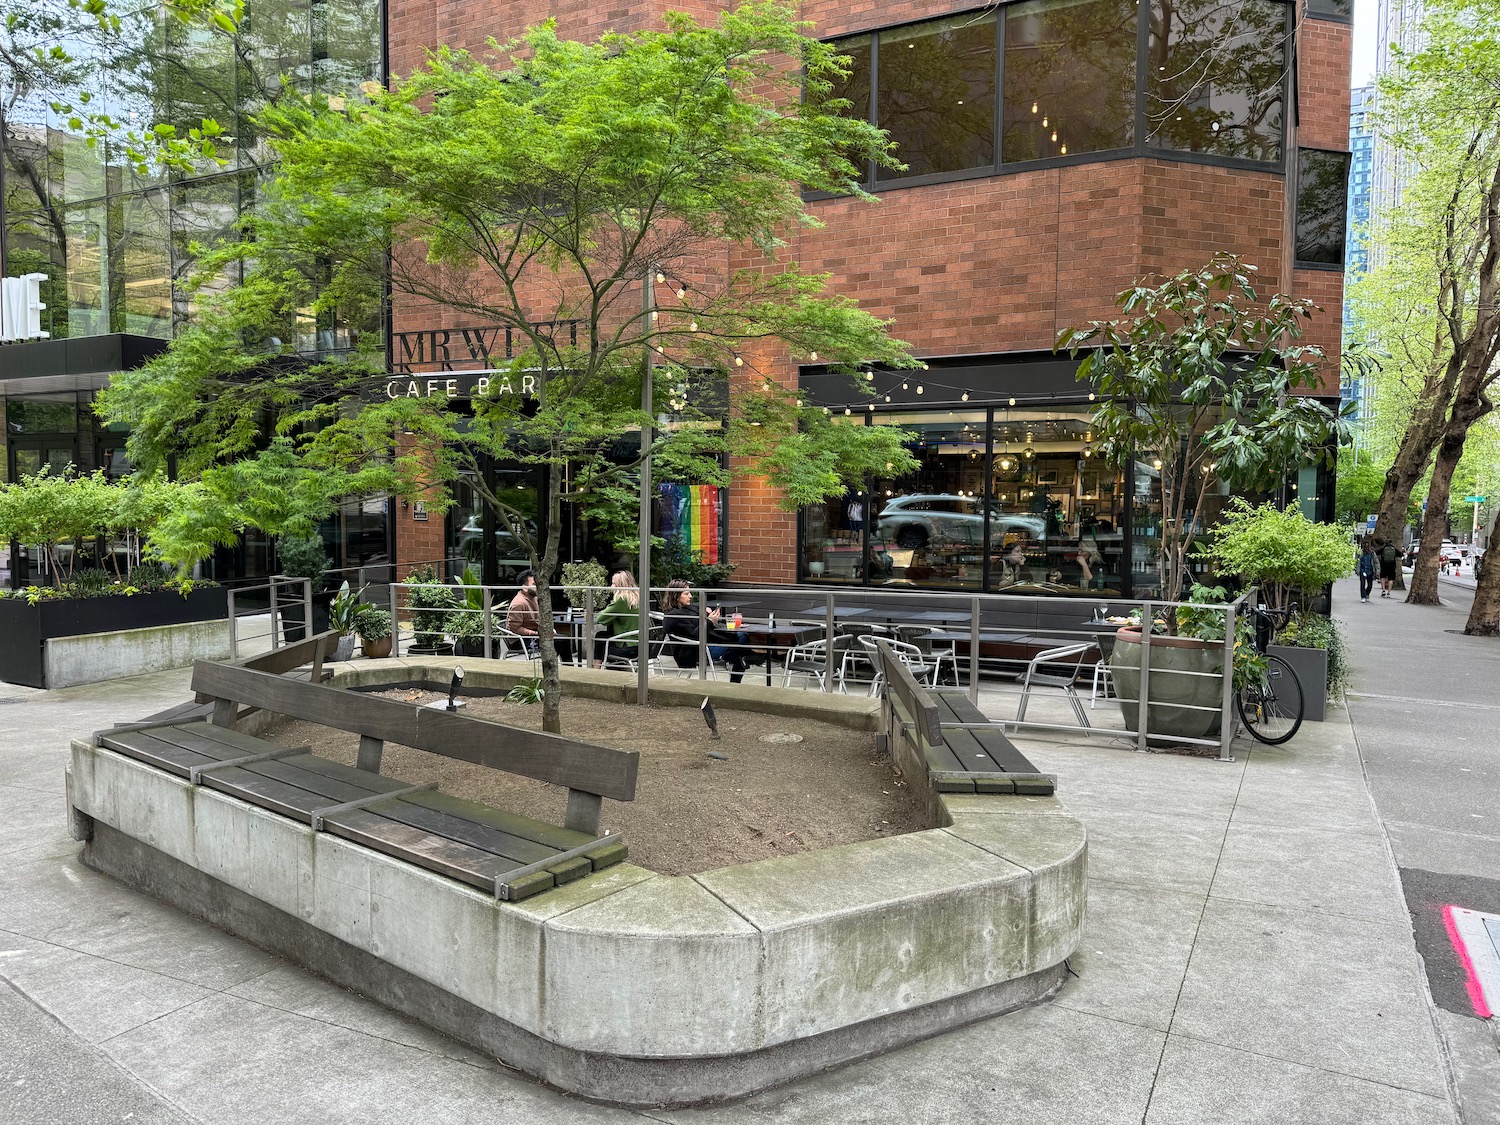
(432, 603)
(372, 623)
(1282, 551)
(674, 559)
(577, 577)
(303, 556)
(1313, 630)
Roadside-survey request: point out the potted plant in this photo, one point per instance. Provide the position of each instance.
(586, 584)
(432, 604)
(342, 612)
(373, 625)
(1198, 381)
(1314, 646)
(1181, 706)
(1292, 560)
(466, 620)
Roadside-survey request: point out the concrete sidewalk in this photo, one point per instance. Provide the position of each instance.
(1248, 958)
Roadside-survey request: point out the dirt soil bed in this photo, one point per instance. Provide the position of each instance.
(691, 812)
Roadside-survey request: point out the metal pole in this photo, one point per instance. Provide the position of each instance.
(1226, 726)
(643, 578)
(275, 613)
(703, 634)
(486, 601)
(307, 608)
(234, 640)
(1148, 618)
(395, 622)
(973, 651)
(828, 635)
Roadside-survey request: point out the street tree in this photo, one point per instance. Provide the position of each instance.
(1433, 305)
(1201, 378)
(617, 209)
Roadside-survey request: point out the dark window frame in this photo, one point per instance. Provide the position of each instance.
(1138, 148)
(1299, 262)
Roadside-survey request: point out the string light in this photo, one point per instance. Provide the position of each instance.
(869, 376)
(1044, 125)
(682, 292)
(1064, 150)
(661, 278)
(1012, 400)
(1033, 107)
(919, 388)
(813, 355)
(847, 412)
(905, 385)
(738, 362)
(1054, 134)
(693, 326)
(964, 397)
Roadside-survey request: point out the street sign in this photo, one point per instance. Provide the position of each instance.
(1475, 500)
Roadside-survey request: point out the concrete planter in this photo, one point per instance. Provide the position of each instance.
(28, 631)
(1173, 696)
(1311, 666)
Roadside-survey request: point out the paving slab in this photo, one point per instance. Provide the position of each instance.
(1150, 849)
(1020, 1068)
(48, 1074)
(1203, 1082)
(229, 1060)
(1134, 953)
(1328, 870)
(1330, 992)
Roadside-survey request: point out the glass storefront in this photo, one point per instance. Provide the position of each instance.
(1003, 499)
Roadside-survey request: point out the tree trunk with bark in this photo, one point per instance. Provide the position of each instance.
(1484, 614)
(1424, 587)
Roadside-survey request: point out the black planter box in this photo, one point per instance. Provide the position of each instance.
(24, 628)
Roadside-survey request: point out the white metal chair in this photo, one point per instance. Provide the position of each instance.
(1104, 684)
(923, 668)
(509, 645)
(810, 659)
(1068, 657)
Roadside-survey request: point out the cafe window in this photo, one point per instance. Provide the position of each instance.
(1322, 206)
(1216, 72)
(1069, 78)
(936, 95)
(1339, 10)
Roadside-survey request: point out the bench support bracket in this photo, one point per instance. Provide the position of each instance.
(317, 815)
(583, 811)
(195, 773)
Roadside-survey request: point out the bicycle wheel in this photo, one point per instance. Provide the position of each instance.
(1272, 711)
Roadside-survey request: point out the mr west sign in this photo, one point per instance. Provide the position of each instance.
(435, 350)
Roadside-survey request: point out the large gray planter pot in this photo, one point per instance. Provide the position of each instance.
(1311, 666)
(1172, 696)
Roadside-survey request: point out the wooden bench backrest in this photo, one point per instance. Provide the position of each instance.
(583, 766)
(911, 703)
(312, 651)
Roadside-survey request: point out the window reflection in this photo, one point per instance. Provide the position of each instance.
(1322, 201)
(937, 94)
(141, 267)
(87, 270)
(1069, 78)
(855, 89)
(1215, 73)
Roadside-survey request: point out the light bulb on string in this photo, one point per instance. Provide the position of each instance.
(1064, 150)
(738, 362)
(847, 412)
(1033, 107)
(871, 407)
(681, 293)
(964, 397)
(1054, 135)
(1012, 400)
(1045, 123)
(813, 355)
(887, 398)
(693, 326)
(654, 316)
(905, 386)
(661, 278)
(919, 388)
(869, 376)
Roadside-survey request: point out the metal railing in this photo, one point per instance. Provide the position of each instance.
(954, 629)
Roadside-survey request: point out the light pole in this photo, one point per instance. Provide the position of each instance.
(643, 579)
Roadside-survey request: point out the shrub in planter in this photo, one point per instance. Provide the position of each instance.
(341, 614)
(1281, 551)
(1314, 646)
(580, 581)
(373, 625)
(432, 603)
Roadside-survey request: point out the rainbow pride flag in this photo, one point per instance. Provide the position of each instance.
(691, 514)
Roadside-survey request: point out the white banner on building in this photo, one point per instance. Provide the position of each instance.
(21, 308)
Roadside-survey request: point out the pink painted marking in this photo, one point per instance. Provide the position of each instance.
(1471, 978)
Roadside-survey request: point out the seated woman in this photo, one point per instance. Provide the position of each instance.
(681, 620)
(621, 615)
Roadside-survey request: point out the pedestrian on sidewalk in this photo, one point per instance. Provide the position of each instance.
(1390, 559)
(1366, 569)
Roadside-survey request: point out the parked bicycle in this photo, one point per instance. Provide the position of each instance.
(1270, 705)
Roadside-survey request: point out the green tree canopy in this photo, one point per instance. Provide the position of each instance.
(604, 203)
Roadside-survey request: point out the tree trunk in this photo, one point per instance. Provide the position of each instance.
(1412, 458)
(1424, 587)
(551, 676)
(1484, 614)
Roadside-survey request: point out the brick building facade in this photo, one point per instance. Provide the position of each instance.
(980, 264)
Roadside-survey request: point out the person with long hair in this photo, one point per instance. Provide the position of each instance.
(621, 615)
(682, 622)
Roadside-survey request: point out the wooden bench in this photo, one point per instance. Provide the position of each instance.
(963, 751)
(510, 855)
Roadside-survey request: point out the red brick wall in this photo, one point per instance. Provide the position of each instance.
(986, 265)
(1325, 288)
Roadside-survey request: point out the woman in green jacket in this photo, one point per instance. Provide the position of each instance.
(621, 615)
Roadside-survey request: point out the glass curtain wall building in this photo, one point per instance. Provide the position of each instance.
(117, 239)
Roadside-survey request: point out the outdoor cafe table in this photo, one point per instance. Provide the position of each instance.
(781, 638)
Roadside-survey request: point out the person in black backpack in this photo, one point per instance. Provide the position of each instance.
(1366, 569)
(1390, 559)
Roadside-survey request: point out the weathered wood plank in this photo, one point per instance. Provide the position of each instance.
(559, 839)
(562, 761)
(915, 701)
(447, 857)
(371, 750)
(146, 746)
(285, 659)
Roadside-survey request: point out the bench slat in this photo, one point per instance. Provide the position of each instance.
(548, 757)
(1002, 751)
(446, 857)
(148, 747)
